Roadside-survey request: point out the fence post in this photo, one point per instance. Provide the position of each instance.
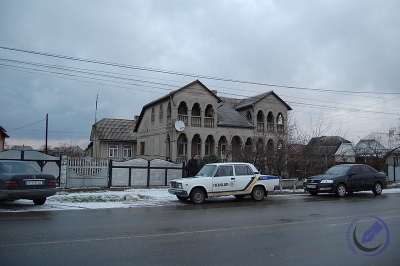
(110, 173)
(63, 172)
(166, 176)
(148, 174)
(130, 177)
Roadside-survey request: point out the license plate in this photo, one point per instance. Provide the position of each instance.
(33, 182)
(312, 186)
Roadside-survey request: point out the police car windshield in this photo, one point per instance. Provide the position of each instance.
(207, 170)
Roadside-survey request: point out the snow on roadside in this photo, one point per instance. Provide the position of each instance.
(128, 198)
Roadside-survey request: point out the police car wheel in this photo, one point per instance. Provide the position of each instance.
(197, 196)
(258, 193)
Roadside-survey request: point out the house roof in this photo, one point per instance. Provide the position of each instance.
(3, 131)
(229, 117)
(345, 149)
(382, 140)
(228, 114)
(114, 129)
(253, 100)
(170, 95)
(326, 145)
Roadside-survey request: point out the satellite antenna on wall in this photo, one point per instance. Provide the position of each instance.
(179, 125)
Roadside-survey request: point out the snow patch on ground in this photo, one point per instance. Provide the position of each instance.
(125, 198)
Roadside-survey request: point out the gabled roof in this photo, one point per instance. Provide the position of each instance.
(345, 149)
(229, 117)
(114, 129)
(3, 131)
(380, 140)
(170, 95)
(253, 100)
(325, 145)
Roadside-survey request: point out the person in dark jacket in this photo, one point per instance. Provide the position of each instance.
(193, 167)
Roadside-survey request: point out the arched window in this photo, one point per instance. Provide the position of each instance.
(223, 148)
(182, 145)
(249, 117)
(260, 121)
(153, 114)
(182, 113)
(169, 109)
(270, 122)
(270, 146)
(196, 115)
(161, 114)
(248, 146)
(196, 144)
(236, 148)
(280, 123)
(209, 116)
(209, 145)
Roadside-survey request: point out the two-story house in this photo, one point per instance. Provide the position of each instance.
(194, 119)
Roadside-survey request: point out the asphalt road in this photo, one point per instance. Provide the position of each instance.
(281, 230)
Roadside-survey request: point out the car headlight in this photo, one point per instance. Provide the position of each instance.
(327, 181)
(179, 185)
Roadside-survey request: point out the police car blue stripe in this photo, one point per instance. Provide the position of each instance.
(268, 177)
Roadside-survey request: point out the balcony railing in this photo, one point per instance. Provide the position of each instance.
(208, 122)
(196, 121)
(270, 127)
(183, 118)
(281, 128)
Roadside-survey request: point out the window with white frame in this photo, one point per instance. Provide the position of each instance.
(127, 152)
(113, 151)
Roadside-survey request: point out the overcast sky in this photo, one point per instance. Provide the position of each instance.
(342, 59)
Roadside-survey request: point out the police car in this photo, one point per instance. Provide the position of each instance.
(222, 179)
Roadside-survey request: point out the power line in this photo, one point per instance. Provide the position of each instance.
(170, 72)
(27, 125)
(160, 88)
(69, 76)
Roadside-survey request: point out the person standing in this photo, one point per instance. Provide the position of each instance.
(193, 167)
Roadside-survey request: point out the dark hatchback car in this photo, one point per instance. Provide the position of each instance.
(22, 180)
(347, 178)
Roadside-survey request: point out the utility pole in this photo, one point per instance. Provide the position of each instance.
(394, 168)
(47, 132)
(95, 114)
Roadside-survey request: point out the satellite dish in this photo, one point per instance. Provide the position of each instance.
(179, 125)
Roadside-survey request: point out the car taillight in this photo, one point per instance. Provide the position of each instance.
(11, 184)
(53, 183)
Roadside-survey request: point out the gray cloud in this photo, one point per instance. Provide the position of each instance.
(329, 45)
